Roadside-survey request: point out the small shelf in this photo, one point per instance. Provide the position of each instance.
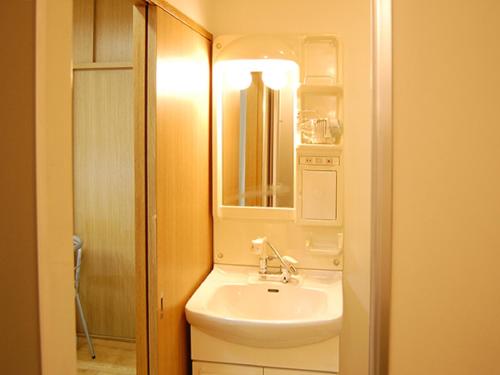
(321, 89)
(320, 58)
(319, 146)
(103, 65)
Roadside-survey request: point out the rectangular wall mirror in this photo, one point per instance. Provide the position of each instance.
(257, 145)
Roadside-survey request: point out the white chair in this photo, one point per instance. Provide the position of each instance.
(78, 248)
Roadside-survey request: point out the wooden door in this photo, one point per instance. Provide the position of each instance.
(179, 191)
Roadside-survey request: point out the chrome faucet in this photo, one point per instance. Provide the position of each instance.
(287, 262)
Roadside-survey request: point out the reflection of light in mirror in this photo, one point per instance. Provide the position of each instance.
(276, 74)
(238, 79)
(181, 76)
(275, 78)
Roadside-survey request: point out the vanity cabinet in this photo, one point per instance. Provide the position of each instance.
(322, 357)
(205, 368)
(279, 371)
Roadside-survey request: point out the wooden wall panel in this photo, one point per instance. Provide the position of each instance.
(113, 30)
(83, 31)
(104, 198)
(183, 185)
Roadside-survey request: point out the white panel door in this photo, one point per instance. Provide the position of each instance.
(319, 195)
(204, 368)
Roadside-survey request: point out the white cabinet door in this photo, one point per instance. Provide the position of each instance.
(205, 368)
(273, 371)
(319, 195)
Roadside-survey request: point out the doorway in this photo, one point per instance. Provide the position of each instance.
(109, 57)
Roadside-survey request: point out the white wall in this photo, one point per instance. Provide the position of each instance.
(446, 253)
(350, 21)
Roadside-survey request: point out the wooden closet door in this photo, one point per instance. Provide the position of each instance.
(180, 183)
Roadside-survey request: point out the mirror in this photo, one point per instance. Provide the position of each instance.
(257, 145)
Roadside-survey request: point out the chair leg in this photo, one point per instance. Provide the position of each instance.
(84, 325)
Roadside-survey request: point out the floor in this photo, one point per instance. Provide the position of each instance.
(112, 358)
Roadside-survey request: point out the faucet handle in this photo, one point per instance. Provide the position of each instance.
(258, 246)
(291, 261)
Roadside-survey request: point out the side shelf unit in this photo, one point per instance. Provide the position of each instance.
(319, 152)
(319, 185)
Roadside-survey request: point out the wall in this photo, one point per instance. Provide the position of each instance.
(197, 10)
(37, 312)
(54, 188)
(445, 304)
(350, 20)
(18, 255)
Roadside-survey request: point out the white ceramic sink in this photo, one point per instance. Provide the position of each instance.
(234, 305)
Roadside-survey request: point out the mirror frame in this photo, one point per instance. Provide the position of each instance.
(237, 212)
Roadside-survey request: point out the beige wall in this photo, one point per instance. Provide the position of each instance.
(18, 257)
(37, 315)
(350, 20)
(446, 255)
(197, 10)
(54, 186)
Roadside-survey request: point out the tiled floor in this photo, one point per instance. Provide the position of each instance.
(112, 358)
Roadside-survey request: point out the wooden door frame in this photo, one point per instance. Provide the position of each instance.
(139, 24)
(151, 188)
(57, 53)
(381, 255)
(53, 151)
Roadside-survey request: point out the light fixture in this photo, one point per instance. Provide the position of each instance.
(271, 55)
(237, 79)
(275, 78)
(276, 74)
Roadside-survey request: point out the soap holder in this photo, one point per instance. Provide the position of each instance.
(319, 250)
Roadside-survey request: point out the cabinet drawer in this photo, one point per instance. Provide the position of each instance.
(273, 371)
(206, 368)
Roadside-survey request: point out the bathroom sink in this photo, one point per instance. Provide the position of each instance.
(234, 305)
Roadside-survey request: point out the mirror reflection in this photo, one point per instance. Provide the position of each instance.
(257, 155)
